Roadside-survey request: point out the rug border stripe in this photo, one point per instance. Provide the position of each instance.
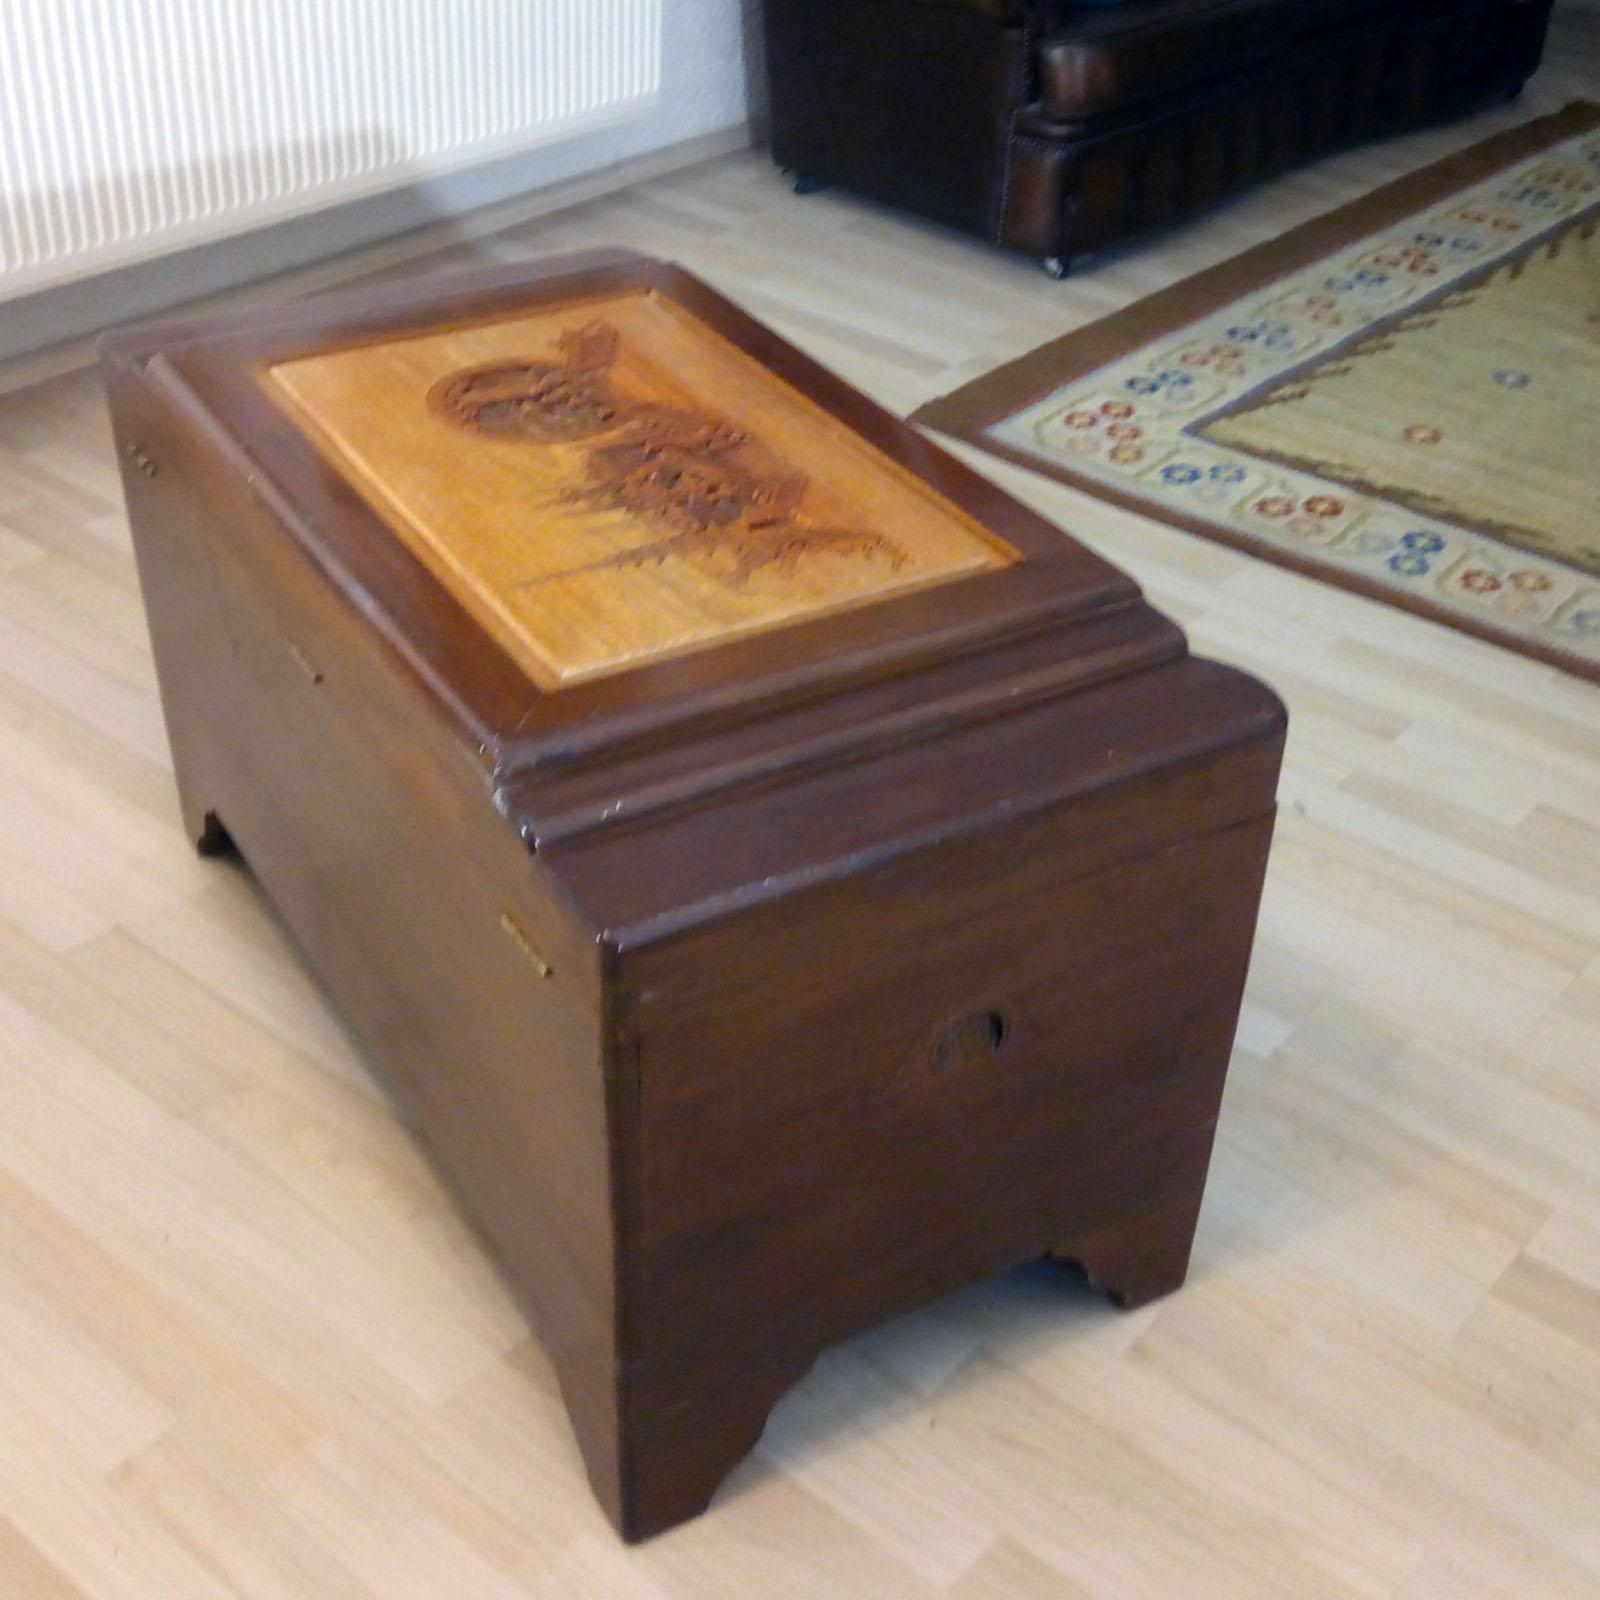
(965, 413)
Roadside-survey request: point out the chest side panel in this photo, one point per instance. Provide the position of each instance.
(370, 825)
(869, 1096)
(607, 481)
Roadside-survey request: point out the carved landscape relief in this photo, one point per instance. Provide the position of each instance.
(714, 492)
(606, 482)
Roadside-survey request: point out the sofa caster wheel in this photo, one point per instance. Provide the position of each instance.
(804, 183)
(1055, 267)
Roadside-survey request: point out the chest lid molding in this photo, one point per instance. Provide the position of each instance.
(919, 568)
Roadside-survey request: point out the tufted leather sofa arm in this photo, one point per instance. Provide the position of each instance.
(1128, 53)
(998, 10)
(1117, 56)
(1006, 11)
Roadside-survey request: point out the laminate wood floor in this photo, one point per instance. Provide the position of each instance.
(249, 1351)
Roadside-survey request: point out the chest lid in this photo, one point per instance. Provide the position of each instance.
(604, 514)
(607, 481)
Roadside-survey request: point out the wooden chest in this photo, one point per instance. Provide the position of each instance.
(783, 878)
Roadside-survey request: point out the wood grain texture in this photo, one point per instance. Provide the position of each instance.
(610, 481)
(252, 1352)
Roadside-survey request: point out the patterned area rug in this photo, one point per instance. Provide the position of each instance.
(1402, 397)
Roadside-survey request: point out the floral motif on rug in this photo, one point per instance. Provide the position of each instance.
(1417, 414)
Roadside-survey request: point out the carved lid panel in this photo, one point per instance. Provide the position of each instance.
(607, 481)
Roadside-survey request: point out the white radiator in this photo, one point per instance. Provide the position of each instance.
(131, 127)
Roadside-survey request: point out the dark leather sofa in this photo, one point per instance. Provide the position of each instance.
(1059, 128)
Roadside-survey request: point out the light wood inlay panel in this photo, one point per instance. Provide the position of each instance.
(610, 481)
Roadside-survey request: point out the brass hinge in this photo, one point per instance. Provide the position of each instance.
(514, 932)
